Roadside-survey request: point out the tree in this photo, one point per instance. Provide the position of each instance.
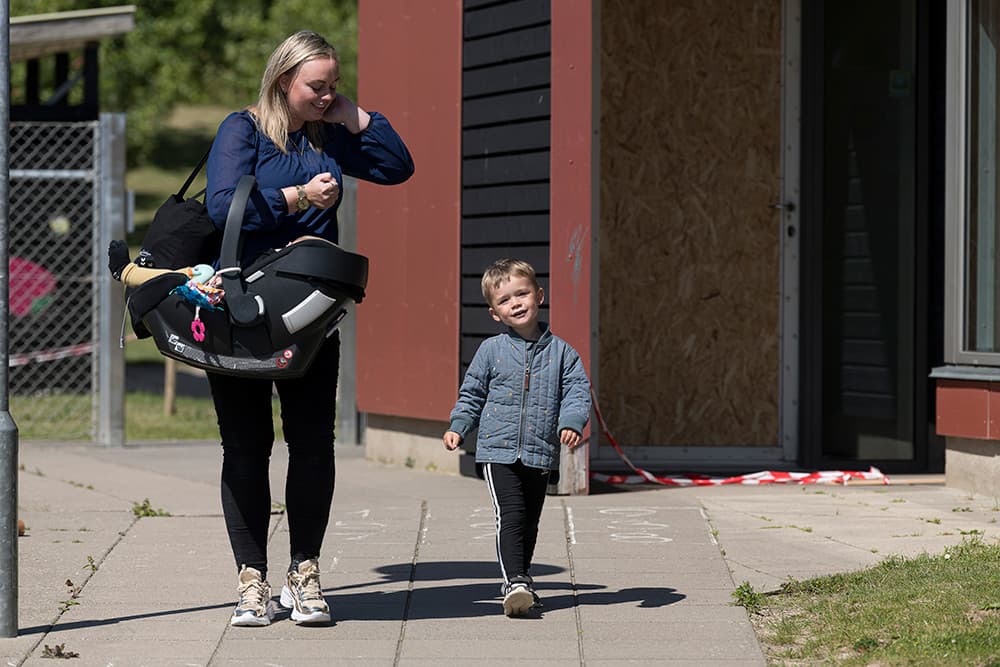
(201, 51)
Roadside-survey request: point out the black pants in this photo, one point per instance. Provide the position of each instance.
(518, 494)
(308, 416)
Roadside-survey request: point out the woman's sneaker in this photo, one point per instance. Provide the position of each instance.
(517, 599)
(255, 606)
(303, 594)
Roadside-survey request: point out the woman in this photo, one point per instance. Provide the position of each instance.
(298, 141)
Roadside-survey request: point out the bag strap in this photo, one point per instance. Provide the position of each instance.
(244, 310)
(194, 174)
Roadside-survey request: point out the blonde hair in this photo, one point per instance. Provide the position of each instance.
(271, 110)
(503, 270)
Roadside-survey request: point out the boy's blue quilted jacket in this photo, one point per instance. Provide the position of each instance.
(521, 394)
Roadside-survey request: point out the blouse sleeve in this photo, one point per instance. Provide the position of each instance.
(377, 154)
(234, 154)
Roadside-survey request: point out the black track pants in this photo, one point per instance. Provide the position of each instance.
(308, 414)
(518, 494)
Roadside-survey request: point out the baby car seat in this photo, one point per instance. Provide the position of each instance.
(275, 315)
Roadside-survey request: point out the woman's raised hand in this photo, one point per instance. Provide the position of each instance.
(322, 190)
(344, 110)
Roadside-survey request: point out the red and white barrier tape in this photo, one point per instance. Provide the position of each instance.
(50, 355)
(764, 477)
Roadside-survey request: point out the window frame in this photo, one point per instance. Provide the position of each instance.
(957, 149)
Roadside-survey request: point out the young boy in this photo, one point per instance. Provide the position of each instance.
(528, 393)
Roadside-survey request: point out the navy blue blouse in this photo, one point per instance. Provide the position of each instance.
(377, 154)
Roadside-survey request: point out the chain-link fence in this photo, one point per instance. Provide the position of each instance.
(55, 305)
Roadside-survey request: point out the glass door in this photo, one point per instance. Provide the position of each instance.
(864, 223)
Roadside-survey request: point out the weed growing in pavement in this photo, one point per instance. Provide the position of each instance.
(58, 651)
(90, 564)
(146, 509)
(745, 596)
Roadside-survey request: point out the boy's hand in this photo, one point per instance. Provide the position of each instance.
(570, 438)
(452, 440)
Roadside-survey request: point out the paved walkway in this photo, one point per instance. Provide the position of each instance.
(643, 575)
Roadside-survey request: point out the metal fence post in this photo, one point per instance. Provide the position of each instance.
(347, 399)
(8, 429)
(110, 302)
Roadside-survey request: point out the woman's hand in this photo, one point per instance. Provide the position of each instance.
(344, 110)
(322, 191)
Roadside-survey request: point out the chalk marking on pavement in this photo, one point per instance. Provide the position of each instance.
(629, 525)
(489, 529)
(357, 530)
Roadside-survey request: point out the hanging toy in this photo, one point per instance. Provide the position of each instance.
(197, 326)
(197, 291)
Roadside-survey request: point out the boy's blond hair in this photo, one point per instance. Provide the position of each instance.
(503, 270)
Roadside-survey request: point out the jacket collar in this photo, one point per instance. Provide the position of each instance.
(543, 339)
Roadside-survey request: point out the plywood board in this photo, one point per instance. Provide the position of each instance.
(688, 244)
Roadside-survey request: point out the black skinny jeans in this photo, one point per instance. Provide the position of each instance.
(518, 494)
(308, 416)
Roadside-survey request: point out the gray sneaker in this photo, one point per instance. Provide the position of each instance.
(303, 594)
(518, 599)
(255, 606)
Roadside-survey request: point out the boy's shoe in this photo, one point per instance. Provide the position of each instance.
(536, 601)
(255, 606)
(531, 587)
(518, 599)
(303, 594)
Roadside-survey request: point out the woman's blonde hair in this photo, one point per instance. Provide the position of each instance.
(271, 110)
(503, 270)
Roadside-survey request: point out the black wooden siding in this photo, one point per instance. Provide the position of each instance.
(506, 78)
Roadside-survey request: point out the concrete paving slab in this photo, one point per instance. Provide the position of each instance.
(458, 651)
(726, 647)
(97, 652)
(495, 626)
(295, 651)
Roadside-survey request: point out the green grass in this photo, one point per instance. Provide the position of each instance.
(182, 140)
(38, 417)
(930, 610)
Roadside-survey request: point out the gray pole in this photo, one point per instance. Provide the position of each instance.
(8, 429)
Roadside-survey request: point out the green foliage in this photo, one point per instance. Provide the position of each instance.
(745, 596)
(200, 51)
(146, 509)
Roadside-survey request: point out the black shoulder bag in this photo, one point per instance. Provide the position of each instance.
(182, 233)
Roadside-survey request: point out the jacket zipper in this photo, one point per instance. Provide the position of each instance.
(524, 395)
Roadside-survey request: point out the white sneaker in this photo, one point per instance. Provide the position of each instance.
(303, 594)
(518, 599)
(255, 606)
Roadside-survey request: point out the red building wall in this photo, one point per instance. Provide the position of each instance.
(571, 174)
(410, 69)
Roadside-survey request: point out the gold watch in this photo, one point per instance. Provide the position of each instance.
(302, 203)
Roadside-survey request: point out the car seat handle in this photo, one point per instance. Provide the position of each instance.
(243, 309)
